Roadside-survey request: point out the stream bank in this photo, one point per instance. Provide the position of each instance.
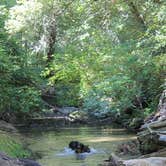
(9, 161)
(52, 144)
(13, 149)
(151, 141)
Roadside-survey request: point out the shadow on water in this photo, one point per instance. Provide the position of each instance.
(54, 151)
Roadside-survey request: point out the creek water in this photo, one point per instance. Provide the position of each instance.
(53, 145)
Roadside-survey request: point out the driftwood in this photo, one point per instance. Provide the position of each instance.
(65, 111)
(156, 124)
(160, 114)
(160, 153)
(152, 136)
(113, 161)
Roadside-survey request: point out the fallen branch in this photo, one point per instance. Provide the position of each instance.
(156, 124)
(53, 107)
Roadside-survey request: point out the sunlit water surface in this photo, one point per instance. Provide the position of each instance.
(53, 145)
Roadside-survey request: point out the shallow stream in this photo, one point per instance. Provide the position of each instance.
(53, 145)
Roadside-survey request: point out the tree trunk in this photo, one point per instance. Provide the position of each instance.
(51, 38)
(137, 14)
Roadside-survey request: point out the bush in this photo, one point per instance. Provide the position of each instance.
(96, 105)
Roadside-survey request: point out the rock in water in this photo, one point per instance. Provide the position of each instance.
(28, 162)
(8, 161)
(152, 161)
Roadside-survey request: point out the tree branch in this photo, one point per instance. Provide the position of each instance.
(137, 14)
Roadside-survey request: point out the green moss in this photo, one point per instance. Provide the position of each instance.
(12, 146)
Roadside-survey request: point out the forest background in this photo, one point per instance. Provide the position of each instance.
(107, 57)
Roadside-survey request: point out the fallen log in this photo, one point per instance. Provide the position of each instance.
(162, 139)
(151, 141)
(152, 136)
(156, 124)
(160, 153)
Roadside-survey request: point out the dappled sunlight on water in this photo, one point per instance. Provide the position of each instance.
(108, 139)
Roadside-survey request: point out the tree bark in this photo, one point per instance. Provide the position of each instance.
(137, 14)
(51, 38)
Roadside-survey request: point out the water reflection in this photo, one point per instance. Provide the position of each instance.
(53, 145)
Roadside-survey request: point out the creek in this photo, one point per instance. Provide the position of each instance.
(53, 145)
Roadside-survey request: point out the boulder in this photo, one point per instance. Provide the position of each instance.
(152, 161)
(28, 162)
(128, 148)
(9, 161)
(7, 126)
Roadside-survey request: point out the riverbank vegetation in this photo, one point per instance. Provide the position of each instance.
(12, 146)
(105, 57)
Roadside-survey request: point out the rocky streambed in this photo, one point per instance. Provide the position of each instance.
(9, 161)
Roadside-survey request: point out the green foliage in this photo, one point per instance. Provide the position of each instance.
(108, 56)
(67, 94)
(12, 147)
(96, 105)
(17, 92)
(5, 71)
(26, 99)
(18, 76)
